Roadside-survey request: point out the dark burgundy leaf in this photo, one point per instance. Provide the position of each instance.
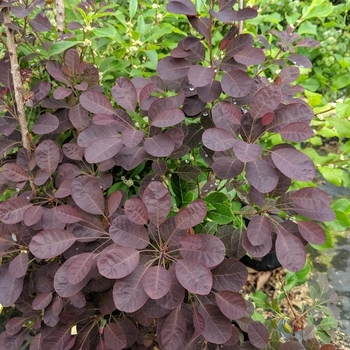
(231, 304)
(218, 328)
(128, 234)
(12, 210)
(201, 24)
(227, 15)
(14, 325)
(297, 132)
(246, 13)
(130, 157)
(210, 92)
(159, 145)
(131, 137)
(14, 172)
(41, 301)
(312, 232)
(55, 70)
(200, 76)
(227, 167)
(103, 119)
(46, 124)
(250, 56)
(19, 265)
(239, 43)
(191, 215)
(73, 151)
(153, 310)
(128, 293)
(103, 149)
(307, 42)
(156, 282)
(173, 332)
(289, 74)
(114, 336)
(194, 276)
(183, 7)
(79, 267)
(114, 201)
(95, 102)
(236, 83)
(246, 152)
(160, 166)
(158, 202)
(258, 334)
(124, 93)
(168, 117)
(311, 198)
(40, 23)
(97, 132)
(259, 230)
(218, 139)
(261, 175)
(265, 100)
(48, 155)
(72, 61)
(188, 172)
(136, 211)
(193, 106)
(117, 262)
(62, 92)
(226, 116)
(10, 288)
(290, 250)
(87, 194)
(230, 275)
(177, 136)
(48, 244)
(67, 214)
(256, 251)
(79, 117)
(171, 233)
(212, 252)
(41, 177)
(300, 60)
(170, 68)
(293, 164)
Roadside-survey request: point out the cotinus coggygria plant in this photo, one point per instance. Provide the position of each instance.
(134, 204)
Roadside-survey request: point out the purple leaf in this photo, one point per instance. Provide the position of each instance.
(188, 172)
(41, 177)
(170, 68)
(117, 262)
(311, 198)
(136, 211)
(226, 116)
(261, 175)
(131, 137)
(40, 23)
(10, 288)
(183, 7)
(14, 325)
(14, 172)
(290, 250)
(114, 336)
(218, 139)
(300, 60)
(218, 328)
(295, 345)
(46, 124)
(201, 24)
(19, 265)
(200, 76)
(231, 304)
(312, 232)
(114, 201)
(293, 164)
(210, 92)
(48, 155)
(12, 210)
(124, 93)
(130, 157)
(246, 152)
(168, 117)
(297, 132)
(212, 252)
(156, 282)
(128, 234)
(103, 149)
(73, 151)
(67, 214)
(160, 167)
(227, 167)
(250, 56)
(171, 233)
(50, 243)
(128, 293)
(265, 100)
(194, 276)
(95, 102)
(258, 334)
(226, 15)
(79, 117)
(103, 119)
(259, 230)
(87, 194)
(79, 267)
(158, 202)
(239, 43)
(62, 92)
(173, 333)
(236, 83)
(55, 70)
(289, 74)
(191, 215)
(230, 275)
(256, 251)
(41, 301)
(72, 61)
(159, 145)
(97, 132)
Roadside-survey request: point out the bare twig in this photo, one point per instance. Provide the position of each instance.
(60, 16)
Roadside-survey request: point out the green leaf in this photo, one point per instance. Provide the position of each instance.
(328, 323)
(311, 84)
(342, 204)
(329, 241)
(260, 299)
(132, 8)
(343, 110)
(188, 198)
(180, 188)
(341, 125)
(216, 198)
(341, 81)
(313, 98)
(210, 227)
(317, 10)
(159, 31)
(313, 293)
(334, 176)
(341, 222)
(222, 215)
(106, 32)
(60, 47)
(325, 338)
(308, 28)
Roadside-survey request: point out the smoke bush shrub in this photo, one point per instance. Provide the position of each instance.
(134, 205)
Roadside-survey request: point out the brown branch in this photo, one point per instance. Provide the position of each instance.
(60, 17)
(17, 85)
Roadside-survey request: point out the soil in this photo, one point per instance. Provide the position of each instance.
(269, 283)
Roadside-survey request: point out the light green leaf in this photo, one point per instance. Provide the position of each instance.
(328, 323)
(341, 81)
(341, 125)
(342, 204)
(308, 28)
(60, 47)
(132, 8)
(105, 32)
(334, 176)
(222, 215)
(317, 10)
(343, 110)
